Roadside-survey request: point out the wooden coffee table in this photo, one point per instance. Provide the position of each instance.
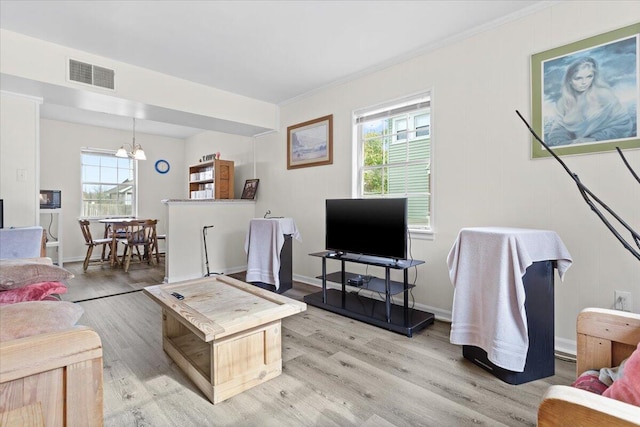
(223, 333)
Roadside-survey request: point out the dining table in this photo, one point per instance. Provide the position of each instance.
(116, 229)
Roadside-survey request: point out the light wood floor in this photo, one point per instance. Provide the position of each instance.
(336, 371)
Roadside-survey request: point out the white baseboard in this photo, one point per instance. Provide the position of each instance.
(73, 259)
(566, 346)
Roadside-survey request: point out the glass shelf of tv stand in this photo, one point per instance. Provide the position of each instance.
(376, 284)
(396, 264)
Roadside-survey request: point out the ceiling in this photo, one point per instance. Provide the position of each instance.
(275, 51)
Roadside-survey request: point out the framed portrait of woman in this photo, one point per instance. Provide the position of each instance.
(585, 95)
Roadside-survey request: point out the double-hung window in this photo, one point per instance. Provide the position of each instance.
(108, 185)
(393, 143)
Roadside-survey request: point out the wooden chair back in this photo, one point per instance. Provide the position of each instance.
(86, 231)
(91, 243)
(140, 232)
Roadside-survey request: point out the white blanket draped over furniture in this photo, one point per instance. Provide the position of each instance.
(486, 266)
(263, 244)
(21, 242)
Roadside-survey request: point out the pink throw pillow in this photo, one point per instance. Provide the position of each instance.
(33, 292)
(627, 388)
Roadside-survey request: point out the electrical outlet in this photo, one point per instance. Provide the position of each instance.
(623, 301)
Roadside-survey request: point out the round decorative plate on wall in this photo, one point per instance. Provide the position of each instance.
(162, 166)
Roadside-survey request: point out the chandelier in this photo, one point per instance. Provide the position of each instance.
(136, 152)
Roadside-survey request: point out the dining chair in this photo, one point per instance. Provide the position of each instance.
(112, 231)
(91, 243)
(139, 234)
(156, 249)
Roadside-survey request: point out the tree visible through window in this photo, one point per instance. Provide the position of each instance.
(108, 185)
(394, 146)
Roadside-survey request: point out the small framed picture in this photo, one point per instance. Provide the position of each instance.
(250, 189)
(310, 143)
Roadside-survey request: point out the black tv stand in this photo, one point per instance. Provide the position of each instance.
(384, 314)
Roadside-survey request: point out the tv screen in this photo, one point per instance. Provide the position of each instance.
(375, 227)
(50, 199)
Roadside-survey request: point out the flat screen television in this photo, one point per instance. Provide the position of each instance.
(376, 227)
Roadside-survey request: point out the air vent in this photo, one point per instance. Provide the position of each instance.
(91, 74)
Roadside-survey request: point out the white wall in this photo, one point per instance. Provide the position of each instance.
(483, 174)
(19, 159)
(60, 146)
(186, 258)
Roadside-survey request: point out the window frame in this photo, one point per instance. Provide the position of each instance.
(134, 184)
(425, 231)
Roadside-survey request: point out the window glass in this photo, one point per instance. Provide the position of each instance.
(422, 125)
(108, 185)
(394, 146)
(400, 129)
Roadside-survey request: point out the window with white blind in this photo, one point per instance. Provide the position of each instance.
(393, 144)
(108, 185)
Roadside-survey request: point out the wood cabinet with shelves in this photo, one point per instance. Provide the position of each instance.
(211, 180)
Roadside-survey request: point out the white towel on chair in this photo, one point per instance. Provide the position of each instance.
(486, 267)
(263, 244)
